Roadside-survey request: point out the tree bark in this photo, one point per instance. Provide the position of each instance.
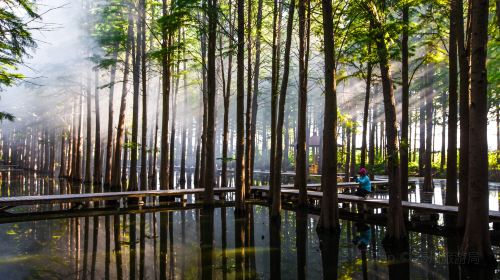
(396, 231)
(248, 119)
(136, 66)
(88, 151)
(301, 158)
(463, 60)
(476, 241)
(144, 131)
(109, 142)
(115, 174)
(428, 185)
(274, 98)
(405, 100)
(451, 164)
(329, 218)
(276, 191)
(97, 148)
(165, 64)
(240, 95)
(211, 93)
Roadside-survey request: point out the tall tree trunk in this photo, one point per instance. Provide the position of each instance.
(421, 126)
(136, 76)
(348, 132)
(144, 131)
(248, 119)
(115, 174)
(463, 60)
(226, 94)
(476, 241)
(428, 185)
(97, 148)
(173, 131)
(88, 151)
(211, 93)
(274, 98)
(369, 68)
(240, 129)
(329, 218)
(353, 147)
(301, 158)
(153, 183)
(371, 149)
(165, 64)
(62, 169)
(255, 86)
(182, 175)
(443, 134)
(109, 142)
(451, 164)
(77, 175)
(396, 231)
(405, 100)
(276, 191)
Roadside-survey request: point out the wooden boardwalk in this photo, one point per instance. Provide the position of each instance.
(374, 202)
(9, 202)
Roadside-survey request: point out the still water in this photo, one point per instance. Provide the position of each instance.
(160, 243)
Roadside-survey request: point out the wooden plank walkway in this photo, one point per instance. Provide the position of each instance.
(379, 203)
(8, 202)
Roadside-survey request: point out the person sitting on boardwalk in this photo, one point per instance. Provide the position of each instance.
(365, 186)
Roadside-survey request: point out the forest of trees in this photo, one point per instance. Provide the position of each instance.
(403, 88)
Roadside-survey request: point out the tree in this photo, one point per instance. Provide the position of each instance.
(240, 132)
(276, 191)
(97, 148)
(405, 100)
(476, 240)
(396, 231)
(429, 79)
(301, 159)
(451, 163)
(329, 218)
(211, 93)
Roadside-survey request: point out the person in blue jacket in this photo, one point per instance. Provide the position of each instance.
(365, 186)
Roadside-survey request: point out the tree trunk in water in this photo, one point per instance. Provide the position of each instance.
(329, 218)
(211, 93)
(248, 119)
(226, 94)
(240, 96)
(88, 151)
(463, 60)
(451, 164)
(182, 175)
(255, 87)
(476, 241)
(347, 176)
(405, 100)
(136, 61)
(171, 168)
(97, 148)
(396, 231)
(77, 175)
(115, 174)
(276, 191)
(301, 157)
(421, 150)
(428, 185)
(352, 169)
(124, 163)
(109, 142)
(144, 131)
(165, 64)
(274, 99)
(366, 108)
(371, 150)
(62, 169)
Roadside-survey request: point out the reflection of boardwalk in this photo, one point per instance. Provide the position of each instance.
(379, 203)
(9, 202)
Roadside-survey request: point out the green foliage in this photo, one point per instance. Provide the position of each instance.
(15, 38)
(6, 116)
